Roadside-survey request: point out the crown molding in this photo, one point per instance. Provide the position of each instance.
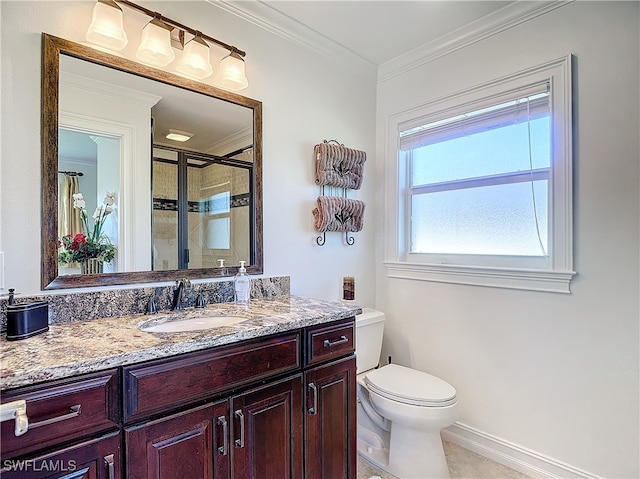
(270, 19)
(233, 142)
(507, 17)
(265, 16)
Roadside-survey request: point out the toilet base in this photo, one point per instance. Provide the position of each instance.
(415, 454)
(373, 447)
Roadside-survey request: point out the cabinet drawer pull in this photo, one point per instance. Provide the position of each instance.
(16, 410)
(74, 411)
(327, 343)
(240, 442)
(314, 409)
(108, 461)
(222, 450)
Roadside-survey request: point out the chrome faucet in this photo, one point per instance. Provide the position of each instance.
(178, 293)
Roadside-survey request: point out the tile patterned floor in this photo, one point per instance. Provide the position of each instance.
(462, 464)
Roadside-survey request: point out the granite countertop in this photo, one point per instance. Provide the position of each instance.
(79, 347)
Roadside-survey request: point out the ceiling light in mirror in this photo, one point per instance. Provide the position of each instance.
(155, 46)
(177, 135)
(195, 62)
(231, 75)
(107, 28)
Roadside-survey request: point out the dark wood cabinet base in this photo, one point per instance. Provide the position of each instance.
(282, 407)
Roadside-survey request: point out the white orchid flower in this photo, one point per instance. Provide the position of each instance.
(110, 198)
(78, 201)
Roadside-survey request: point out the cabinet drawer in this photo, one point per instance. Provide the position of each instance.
(62, 410)
(90, 459)
(330, 341)
(163, 385)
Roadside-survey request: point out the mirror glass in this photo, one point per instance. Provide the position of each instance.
(152, 204)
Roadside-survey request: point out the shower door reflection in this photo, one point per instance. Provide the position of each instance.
(202, 209)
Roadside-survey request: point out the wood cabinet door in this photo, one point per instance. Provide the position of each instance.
(180, 446)
(330, 421)
(266, 437)
(93, 459)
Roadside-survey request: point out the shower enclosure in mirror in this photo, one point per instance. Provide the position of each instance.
(202, 208)
(175, 164)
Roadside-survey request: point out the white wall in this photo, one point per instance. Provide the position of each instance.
(557, 374)
(306, 98)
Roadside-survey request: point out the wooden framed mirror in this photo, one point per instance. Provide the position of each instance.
(164, 225)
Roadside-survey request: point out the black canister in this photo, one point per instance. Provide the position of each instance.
(26, 320)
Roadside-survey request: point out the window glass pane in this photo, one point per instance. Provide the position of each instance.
(491, 220)
(218, 233)
(496, 151)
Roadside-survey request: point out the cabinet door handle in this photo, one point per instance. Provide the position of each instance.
(108, 461)
(240, 442)
(314, 409)
(74, 411)
(327, 343)
(222, 450)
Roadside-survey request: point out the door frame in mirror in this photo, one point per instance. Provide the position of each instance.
(52, 48)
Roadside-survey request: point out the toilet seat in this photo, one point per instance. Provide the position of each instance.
(408, 386)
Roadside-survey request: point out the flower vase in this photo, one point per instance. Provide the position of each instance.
(91, 266)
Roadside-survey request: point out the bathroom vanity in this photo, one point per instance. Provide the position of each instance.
(272, 396)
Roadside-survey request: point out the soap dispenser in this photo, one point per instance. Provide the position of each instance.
(223, 270)
(242, 286)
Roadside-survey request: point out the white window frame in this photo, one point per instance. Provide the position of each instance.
(554, 274)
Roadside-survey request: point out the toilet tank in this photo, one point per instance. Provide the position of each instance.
(369, 329)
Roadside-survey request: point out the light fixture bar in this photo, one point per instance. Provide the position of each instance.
(180, 26)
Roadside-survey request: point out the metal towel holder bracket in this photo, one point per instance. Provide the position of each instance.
(320, 240)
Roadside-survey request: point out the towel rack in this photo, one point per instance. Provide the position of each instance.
(320, 240)
(339, 175)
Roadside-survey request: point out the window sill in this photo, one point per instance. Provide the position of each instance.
(523, 279)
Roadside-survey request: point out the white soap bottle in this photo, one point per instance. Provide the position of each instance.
(242, 286)
(223, 270)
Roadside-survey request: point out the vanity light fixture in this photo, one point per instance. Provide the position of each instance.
(156, 47)
(231, 75)
(195, 62)
(177, 135)
(107, 27)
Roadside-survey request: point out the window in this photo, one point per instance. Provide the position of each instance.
(483, 185)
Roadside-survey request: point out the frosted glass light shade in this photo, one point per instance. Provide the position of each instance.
(107, 28)
(195, 61)
(155, 45)
(231, 73)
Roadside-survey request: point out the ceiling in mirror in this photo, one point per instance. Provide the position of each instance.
(213, 123)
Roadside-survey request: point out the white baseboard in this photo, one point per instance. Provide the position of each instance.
(516, 457)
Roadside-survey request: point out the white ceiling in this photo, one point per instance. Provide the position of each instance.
(379, 31)
(385, 37)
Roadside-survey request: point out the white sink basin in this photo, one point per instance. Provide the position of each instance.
(191, 324)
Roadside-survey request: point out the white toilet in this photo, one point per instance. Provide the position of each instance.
(400, 410)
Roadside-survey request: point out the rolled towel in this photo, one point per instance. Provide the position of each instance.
(334, 213)
(339, 166)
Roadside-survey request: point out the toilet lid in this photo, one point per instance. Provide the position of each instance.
(409, 386)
